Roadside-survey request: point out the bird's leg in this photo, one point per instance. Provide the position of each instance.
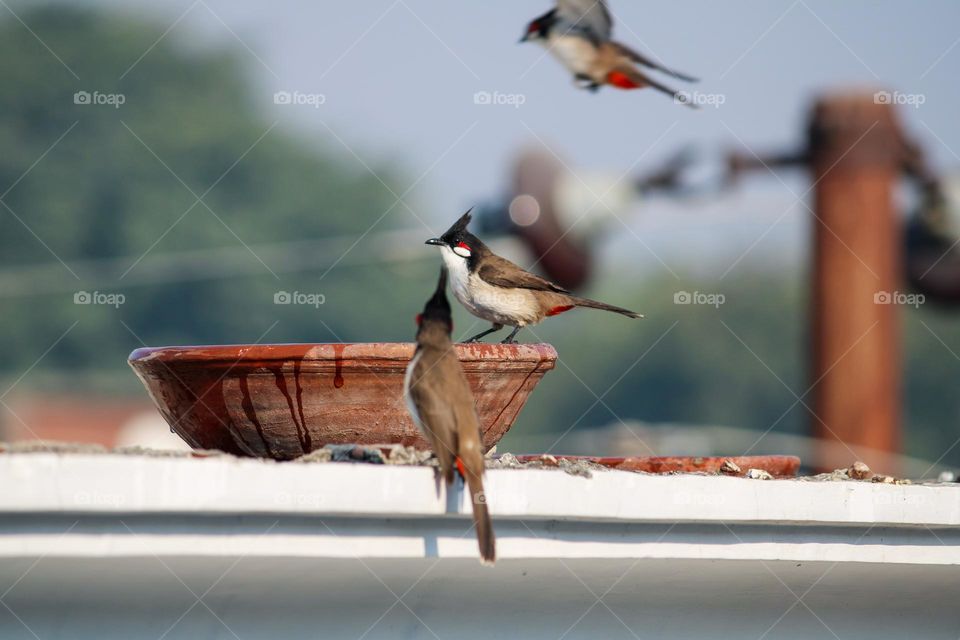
(510, 339)
(583, 81)
(476, 338)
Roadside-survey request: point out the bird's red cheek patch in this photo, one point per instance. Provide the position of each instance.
(558, 310)
(419, 319)
(621, 80)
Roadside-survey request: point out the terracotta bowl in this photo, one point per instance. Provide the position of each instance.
(282, 401)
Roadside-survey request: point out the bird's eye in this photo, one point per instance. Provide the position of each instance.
(462, 249)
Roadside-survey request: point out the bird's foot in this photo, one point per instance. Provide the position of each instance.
(473, 340)
(483, 334)
(511, 339)
(586, 82)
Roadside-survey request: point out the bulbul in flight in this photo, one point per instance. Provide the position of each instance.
(578, 32)
(497, 290)
(442, 406)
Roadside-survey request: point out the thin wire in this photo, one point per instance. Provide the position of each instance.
(213, 264)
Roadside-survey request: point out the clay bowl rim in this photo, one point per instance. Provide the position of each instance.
(237, 354)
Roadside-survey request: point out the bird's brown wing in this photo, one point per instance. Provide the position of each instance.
(646, 61)
(430, 390)
(590, 17)
(470, 453)
(503, 273)
(447, 411)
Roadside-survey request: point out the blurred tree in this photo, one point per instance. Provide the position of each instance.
(124, 181)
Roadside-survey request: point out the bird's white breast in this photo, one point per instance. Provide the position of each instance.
(575, 53)
(458, 273)
(512, 307)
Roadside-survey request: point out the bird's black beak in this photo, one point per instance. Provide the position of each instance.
(525, 37)
(436, 241)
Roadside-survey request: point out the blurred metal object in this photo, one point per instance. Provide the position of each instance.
(932, 233)
(558, 214)
(669, 176)
(739, 162)
(856, 152)
(933, 241)
(538, 212)
(565, 258)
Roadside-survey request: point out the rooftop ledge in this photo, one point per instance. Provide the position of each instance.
(81, 505)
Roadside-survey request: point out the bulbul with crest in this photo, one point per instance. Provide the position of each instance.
(499, 291)
(578, 33)
(442, 406)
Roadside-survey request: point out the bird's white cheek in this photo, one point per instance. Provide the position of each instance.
(462, 252)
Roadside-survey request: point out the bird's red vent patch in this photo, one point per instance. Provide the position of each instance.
(621, 80)
(558, 310)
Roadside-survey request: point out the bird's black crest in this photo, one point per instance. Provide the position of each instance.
(458, 229)
(438, 307)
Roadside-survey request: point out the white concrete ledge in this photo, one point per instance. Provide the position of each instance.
(104, 484)
(112, 546)
(122, 506)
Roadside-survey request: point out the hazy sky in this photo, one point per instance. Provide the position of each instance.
(399, 78)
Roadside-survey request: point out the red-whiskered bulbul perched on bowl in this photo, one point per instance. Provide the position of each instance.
(442, 406)
(497, 290)
(578, 32)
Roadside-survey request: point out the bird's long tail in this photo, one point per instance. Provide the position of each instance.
(627, 77)
(593, 304)
(472, 472)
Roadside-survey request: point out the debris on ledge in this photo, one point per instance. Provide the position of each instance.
(84, 448)
(400, 455)
(858, 471)
(583, 468)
